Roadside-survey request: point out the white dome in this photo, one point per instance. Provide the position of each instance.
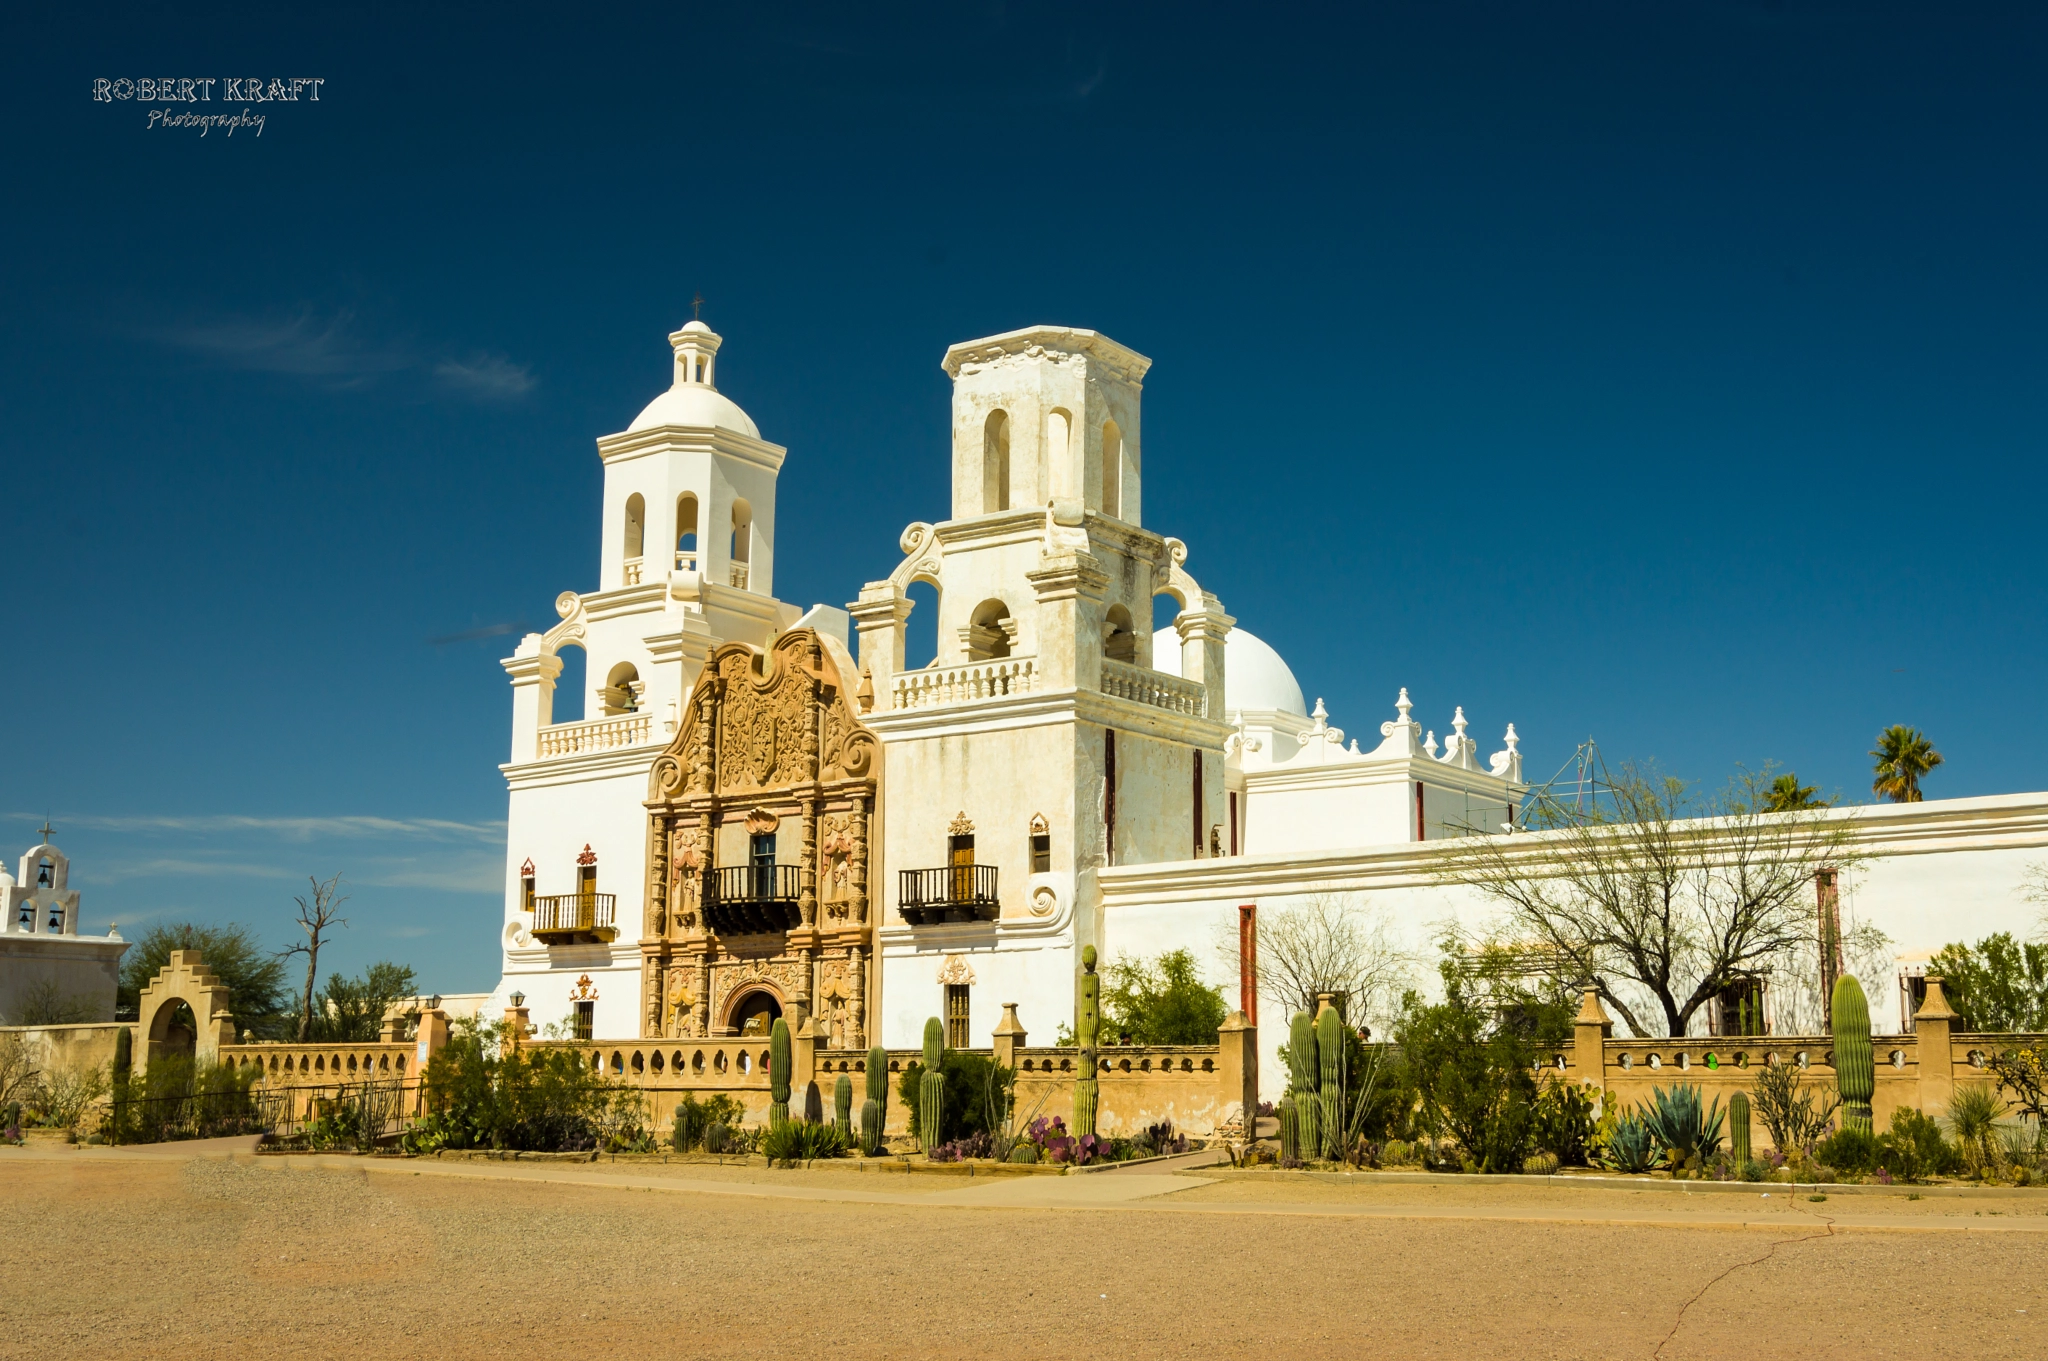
(1254, 677)
(696, 404)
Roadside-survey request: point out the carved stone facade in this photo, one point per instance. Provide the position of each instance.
(769, 754)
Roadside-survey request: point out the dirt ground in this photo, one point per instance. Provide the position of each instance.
(292, 1257)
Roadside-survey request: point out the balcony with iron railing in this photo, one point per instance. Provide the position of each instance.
(744, 900)
(575, 918)
(951, 893)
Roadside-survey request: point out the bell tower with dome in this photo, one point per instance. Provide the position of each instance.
(686, 565)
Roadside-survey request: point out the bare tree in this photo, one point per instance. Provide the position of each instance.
(20, 1073)
(1328, 943)
(1677, 895)
(318, 913)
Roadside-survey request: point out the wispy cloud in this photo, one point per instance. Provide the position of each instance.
(293, 829)
(333, 350)
(490, 377)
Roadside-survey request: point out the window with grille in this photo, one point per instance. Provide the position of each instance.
(957, 1033)
(586, 1020)
(1041, 853)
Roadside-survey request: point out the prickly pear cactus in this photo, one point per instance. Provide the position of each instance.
(1087, 1028)
(1855, 1067)
(778, 1073)
(931, 1088)
(842, 1106)
(1738, 1127)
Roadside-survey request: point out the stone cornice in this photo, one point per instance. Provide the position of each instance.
(1043, 708)
(1126, 363)
(659, 439)
(1999, 822)
(618, 763)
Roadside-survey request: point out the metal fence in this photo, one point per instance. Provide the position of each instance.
(354, 1114)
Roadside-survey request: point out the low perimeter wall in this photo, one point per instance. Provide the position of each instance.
(1199, 1088)
(1920, 1071)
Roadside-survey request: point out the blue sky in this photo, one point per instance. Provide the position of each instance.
(1668, 374)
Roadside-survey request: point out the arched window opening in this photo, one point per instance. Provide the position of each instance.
(567, 699)
(1059, 428)
(921, 629)
(636, 525)
(995, 462)
(622, 689)
(1119, 641)
(742, 542)
(686, 532)
(989, 632)
(1112, 470)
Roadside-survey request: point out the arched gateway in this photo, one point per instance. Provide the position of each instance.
(185, 979)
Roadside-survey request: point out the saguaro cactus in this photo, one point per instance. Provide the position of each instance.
(1738, 1127)
(842, 1106)
(1303, 1079)
(1290, 1130)
(124, 1053)
(1087, 1027)
(814, 1104)
(778, 1073)
(1330, 1059)
(1855, 1068)
(931, 1088)
(874, 1112)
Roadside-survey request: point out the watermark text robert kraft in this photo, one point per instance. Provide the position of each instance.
(247, 91)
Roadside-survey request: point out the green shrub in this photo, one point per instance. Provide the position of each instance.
(802, 1141)
(1473, 1062)
(481, 1094)
(1753, 1169)
(1914, 1149)
(1564, 1121)
(1973, 1118)
(1851, 1152)
(1161, 1002)
(977, 1095)
(694, 1117)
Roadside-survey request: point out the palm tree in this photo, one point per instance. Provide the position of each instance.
(1787, 795)
(1903, 755)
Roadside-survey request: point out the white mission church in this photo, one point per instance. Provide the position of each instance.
(771, 808)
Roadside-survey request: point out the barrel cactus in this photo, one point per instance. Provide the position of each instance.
(1330, 1061)
(1087, 1027)
(931, 1088)
(1855, 1067)
(778, 1073)
(842, 1107)
(1303, 1080)
(1738, 1128)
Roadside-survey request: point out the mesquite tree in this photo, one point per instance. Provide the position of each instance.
(319, 912)
(1677, 895)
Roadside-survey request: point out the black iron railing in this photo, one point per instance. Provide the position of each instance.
(750, 899)
(560, 918)
(952, 893)
(349, 1114)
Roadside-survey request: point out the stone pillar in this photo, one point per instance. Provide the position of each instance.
(879, 616)
(1590, 1031)
(1009, 1036)
(432, 1038)
(803, 1056)
(1932, 1026)
(1070, 587)
(518, 1025)
(533, 696)
(1237, 1071)
(856, 999)
(1202, 629)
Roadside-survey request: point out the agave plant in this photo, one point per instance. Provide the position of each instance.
(1683, 1128)
(1630, 1147)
